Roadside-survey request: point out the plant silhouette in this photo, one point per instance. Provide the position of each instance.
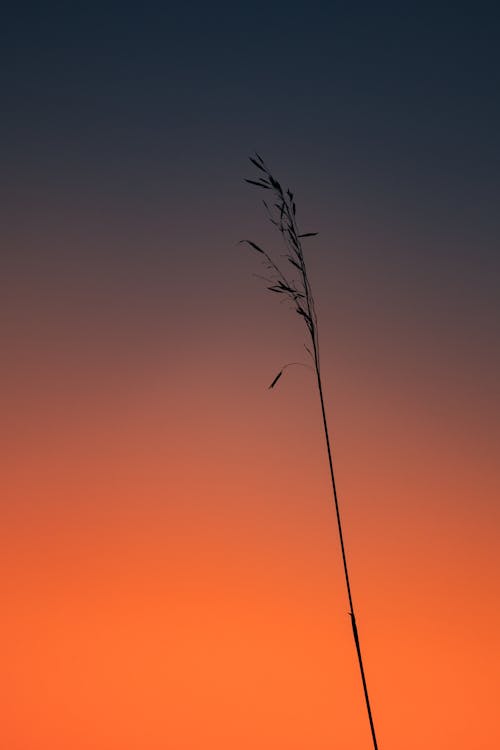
(289, 279)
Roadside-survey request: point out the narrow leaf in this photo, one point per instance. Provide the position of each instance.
(275, 184)
(308, 234)
(276, 289)
(255, 247)
(293, 238)
(306, 317)
(278, 376)
(259, 166)
(259, 184)
(287, 288)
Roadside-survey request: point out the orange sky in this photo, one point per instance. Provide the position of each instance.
(171, 575)
(171, 572)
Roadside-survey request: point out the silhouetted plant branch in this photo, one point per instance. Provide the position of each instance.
(293, 284)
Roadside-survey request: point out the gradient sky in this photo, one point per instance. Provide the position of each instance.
(171, 575)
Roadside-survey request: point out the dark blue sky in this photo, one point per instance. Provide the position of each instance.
(131, 125)
(415, 87)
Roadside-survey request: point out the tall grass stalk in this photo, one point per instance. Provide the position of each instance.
(287, 276)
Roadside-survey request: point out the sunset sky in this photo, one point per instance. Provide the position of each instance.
(171, 575)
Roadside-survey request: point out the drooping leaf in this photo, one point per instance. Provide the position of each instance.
(278, 376)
